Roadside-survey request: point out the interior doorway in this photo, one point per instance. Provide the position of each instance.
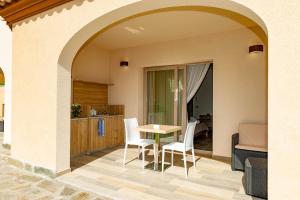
(200, 105)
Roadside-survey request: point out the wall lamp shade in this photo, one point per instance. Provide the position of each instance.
(124, 64)
(256, 48)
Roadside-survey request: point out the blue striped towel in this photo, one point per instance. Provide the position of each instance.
(101, 127)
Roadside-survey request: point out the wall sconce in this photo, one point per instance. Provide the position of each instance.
(256, 48)
(124, 64)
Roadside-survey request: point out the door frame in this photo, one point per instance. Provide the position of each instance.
(184, 104)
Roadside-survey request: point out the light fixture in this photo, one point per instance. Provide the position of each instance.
(124, 64)
(256, 48)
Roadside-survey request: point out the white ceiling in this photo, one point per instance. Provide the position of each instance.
(164, 26)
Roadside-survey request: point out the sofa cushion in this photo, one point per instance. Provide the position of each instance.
(253, 134)
(252, 148)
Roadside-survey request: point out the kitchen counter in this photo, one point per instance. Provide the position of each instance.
(103, 116)
(79, 118)
(95, 117)
(85, 137)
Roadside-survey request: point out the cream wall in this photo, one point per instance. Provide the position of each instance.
(41, 136)
(240, 79)
(92, 64)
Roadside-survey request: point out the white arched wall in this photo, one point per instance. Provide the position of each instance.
(5, 64)
(40, 51)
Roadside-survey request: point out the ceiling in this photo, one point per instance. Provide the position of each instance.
(164, 26)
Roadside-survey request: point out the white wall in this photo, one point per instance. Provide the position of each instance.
(5, 64)
(240, 79)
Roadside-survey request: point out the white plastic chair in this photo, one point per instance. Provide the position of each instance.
(132, 137)
(187, 145)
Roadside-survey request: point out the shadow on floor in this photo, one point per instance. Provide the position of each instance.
(79, 161)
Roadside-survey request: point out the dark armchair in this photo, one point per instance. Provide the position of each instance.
(251, 141)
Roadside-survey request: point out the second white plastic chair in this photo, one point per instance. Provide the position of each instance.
(187, 145)
(132, 137)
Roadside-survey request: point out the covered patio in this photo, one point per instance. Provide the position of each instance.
(123, 47)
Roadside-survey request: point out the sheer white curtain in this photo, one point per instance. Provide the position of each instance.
(195, 76)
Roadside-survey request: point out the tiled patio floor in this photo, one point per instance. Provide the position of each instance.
(104, 173)
(104, 176)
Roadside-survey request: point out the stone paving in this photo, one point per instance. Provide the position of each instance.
(17, 184)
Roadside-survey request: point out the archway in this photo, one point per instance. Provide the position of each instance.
(237, 11)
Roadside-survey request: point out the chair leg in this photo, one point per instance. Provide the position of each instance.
(143, 153)
(194, 160)
(172, 157)
(154, 154)
(139, 151)
(125, 152)
(163, 160)
(185, 167)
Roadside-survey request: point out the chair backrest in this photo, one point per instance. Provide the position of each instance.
(131, 134)
(189, 135)
(253, 134)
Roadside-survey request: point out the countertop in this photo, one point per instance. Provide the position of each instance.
(95, 117)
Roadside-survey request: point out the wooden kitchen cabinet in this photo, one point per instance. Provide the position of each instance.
(113, 133)
(79, 136)
(85, 138)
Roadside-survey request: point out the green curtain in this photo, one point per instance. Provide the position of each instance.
(160, 93)
(160, 97)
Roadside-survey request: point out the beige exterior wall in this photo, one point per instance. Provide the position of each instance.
(41, 78)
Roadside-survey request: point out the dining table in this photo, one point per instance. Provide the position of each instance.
(158, 130)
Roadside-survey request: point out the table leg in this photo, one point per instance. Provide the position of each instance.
(156, 146)
(175, 136)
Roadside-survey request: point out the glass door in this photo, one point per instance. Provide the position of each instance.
(165, 97)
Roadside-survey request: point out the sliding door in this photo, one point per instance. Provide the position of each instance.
(160, 92)
(165, 96)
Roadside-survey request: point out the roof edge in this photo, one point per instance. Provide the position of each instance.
(22, 9)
